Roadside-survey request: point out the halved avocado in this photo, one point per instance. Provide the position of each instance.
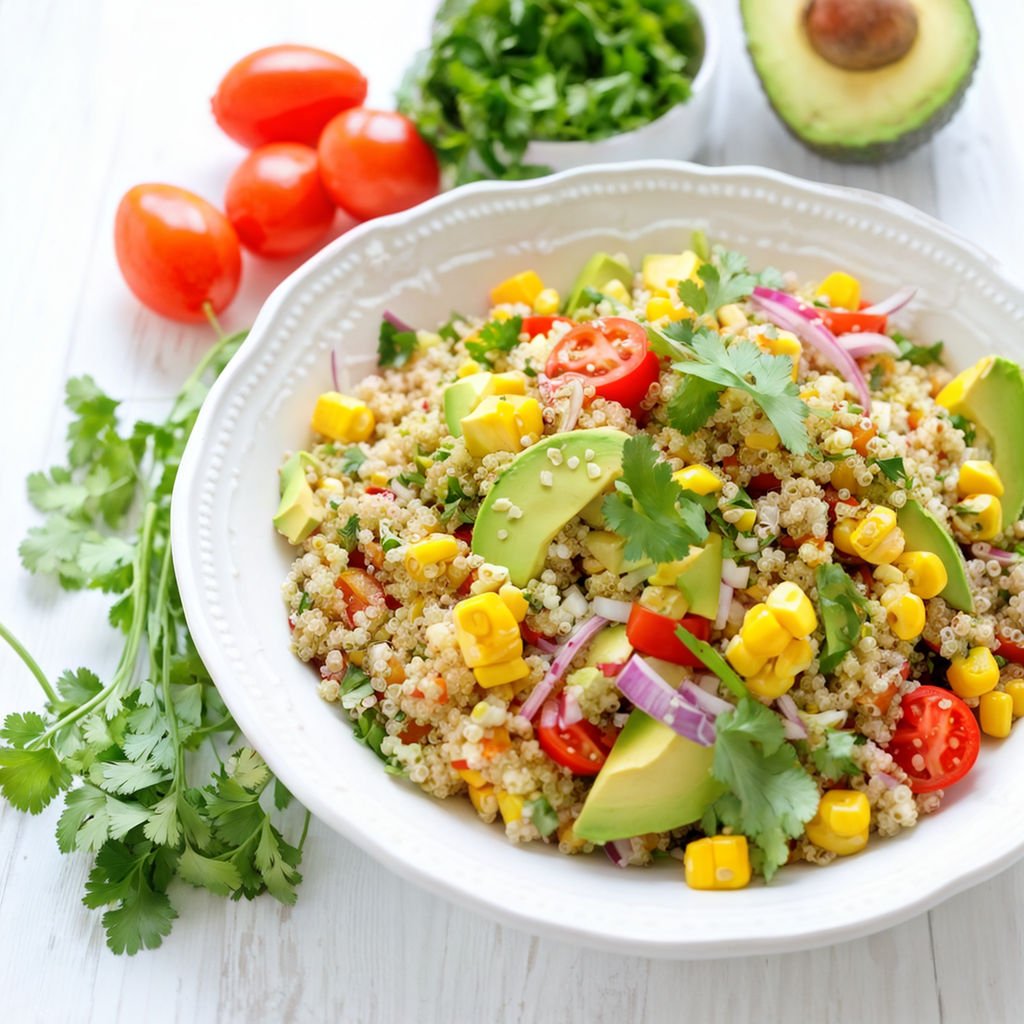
(875, 113)
(923, 532)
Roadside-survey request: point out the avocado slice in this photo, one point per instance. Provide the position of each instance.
(654, 780)
(298, 513)
(923, 532)
(539, 492)
(598, 272)
(662, 272)
(862, 116)
(462, 396)
(609, 646)
(991, 395)
(700, 577)
(610, 550)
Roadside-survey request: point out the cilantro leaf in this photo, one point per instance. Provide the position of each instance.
(892, 468)
(495, 336)
(348, 533)
(395, 347)
(219, 876)
(834, 757)
(21, 729)
(352, 459)
(723, 285)
(455, 503)
(965, 426)
(918, 355)
(842, 608)
(694, 402)
(142, 919)
(650, 510)
(31, 778)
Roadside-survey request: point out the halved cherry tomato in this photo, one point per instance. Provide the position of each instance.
(375, 162)
(534, 325)
(1009, 650)
(611, 353)
(937, 740)
(832, 499)
(285, 94)
(654, 634)
(531, 636)
(841, 322)
(762, 483)
(176, 251)
(360, 591)
(582, 748)
(276, 201)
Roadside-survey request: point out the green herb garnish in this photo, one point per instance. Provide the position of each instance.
(842, 609)
(352, 459)
(395, 347)
(834, 758)
(965, 426)
(497, 336)
(892, 468)
(918, 355)
(542, 814)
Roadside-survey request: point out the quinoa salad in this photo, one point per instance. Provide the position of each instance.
(691, 561)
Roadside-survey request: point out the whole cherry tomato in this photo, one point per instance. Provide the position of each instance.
(374, 162)
(285, 94)
(176, 251)
(276, 201)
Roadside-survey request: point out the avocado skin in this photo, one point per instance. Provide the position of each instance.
(875, 152)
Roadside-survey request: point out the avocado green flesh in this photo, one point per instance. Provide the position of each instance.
(610, 646)
(863, 116)
(923, 532)
(520, 543)
(298, 513)
(701, 578)
(654, 780)
(994, 401)
(460, 398)
(599, 271)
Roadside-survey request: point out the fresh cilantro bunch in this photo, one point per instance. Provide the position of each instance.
(127, 748)
(649, 509)
(842, 609)
(500, 73)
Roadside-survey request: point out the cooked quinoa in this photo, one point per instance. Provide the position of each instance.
(383, 632)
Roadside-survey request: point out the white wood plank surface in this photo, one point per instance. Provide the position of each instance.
(95, 96)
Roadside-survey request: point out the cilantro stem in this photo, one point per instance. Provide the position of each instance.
(163, 635)
(305, 832)
(30, 663)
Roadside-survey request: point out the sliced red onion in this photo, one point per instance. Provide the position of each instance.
(788, 709)
(574, 406)
(334, 370)
(619, 852)
(397, 322)
(614, 611)
(569, 710)
(889, 781)
(865, 343)
(784, 299)
(893, 304)
(818, 336)
(980, 549)
(725, 593)
(709, 703)
(577, 640)
(653, 695)
(735, 575)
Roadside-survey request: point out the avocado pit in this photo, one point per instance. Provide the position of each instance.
(861, 35)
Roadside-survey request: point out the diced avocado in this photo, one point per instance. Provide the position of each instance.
(592, 513)
(610, 550)
(662, 272)
(610, 646)
(298, 513)
(654, 780)
(599, 270)
(862, 99)
(700, 577)
(461, 397)
(923, 532)
(991, 395)
(540, 491)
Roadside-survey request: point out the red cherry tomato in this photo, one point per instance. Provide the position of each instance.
(374, 162)
(1009, 650)
(176, 251)
(359, 591)
(654, 634)
(285, 94)
(276, 201)
(840, 322)
(613, 354)
(534, 325)
(937, 740)
(582, 747)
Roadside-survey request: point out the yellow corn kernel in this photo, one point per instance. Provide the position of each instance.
(547, 302)
(660, 307)
(342, 418)
(617, 291)
(510, 806)
(514, 601)
(468, 368)
(973, 674)
(762, 632)
(765, 440)
(842, 534)
(698, 479)
(979, 517)
(906, 616)
(841, 822)
(665, 601)
(889, 574)
(524, 288)
(843, 477)
(482, 799)
(501, 673)
(732, 316)
(793, 609)
(486, 631)
(357, 658)
(995, 712)
(717, 862)
(473, 778)
(925, 572)
(796, 658)
(769, 684)
(746, 522)
(422, 558)
(500, 423)
(978, 476)
(380, 479)
(1016, 691)
(841, 290)
(742, 658)
(876, 538)
(953, 393)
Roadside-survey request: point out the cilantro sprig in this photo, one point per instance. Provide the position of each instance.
(649, 509)
(128, 745)
(842, 609)
(395, 347)
(496, 336)
(834, 757)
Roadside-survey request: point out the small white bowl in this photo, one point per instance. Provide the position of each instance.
(676, 135)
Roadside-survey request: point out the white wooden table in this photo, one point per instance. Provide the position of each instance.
(96, 96)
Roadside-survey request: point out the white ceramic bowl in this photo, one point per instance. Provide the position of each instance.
(446, 254)
(677, 135)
